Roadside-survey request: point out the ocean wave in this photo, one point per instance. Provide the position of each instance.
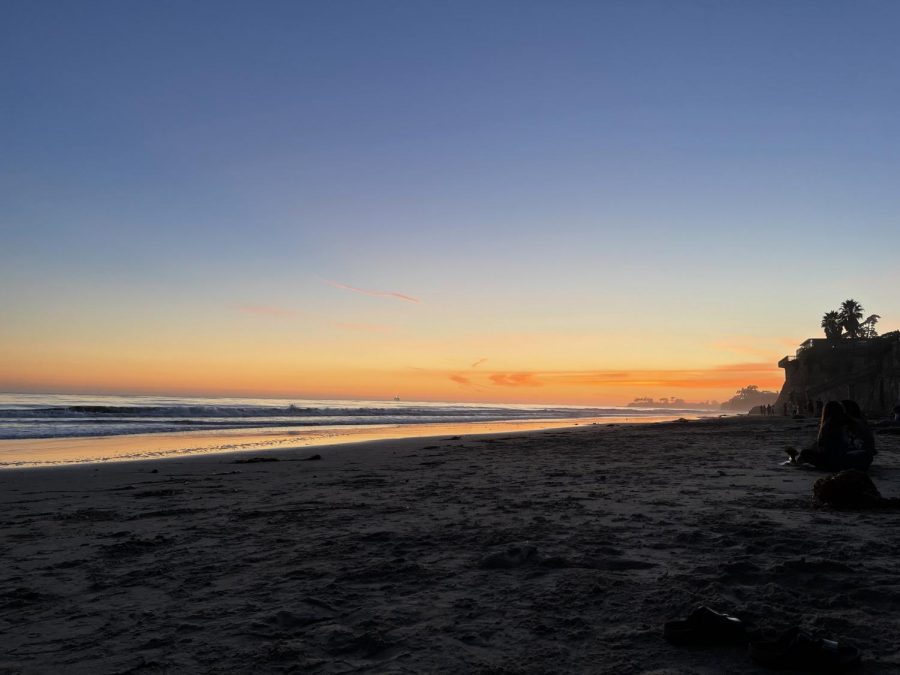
(100, 412)
(33, 416)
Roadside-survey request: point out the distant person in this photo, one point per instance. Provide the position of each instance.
(785, 408)
(819, 406)
(896, 415)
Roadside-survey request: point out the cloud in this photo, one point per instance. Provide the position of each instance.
(515, 379)
(377, 294)
(465, 381)
(758, 366)
(730, 376)
(266, 310)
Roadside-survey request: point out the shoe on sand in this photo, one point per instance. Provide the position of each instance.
(796, 650)
(706, 626)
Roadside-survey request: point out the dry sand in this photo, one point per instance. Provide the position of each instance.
(372, 558)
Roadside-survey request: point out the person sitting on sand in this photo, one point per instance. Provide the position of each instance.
(832, 442)
(862, 440)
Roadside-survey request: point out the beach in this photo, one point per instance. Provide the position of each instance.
(394, 555)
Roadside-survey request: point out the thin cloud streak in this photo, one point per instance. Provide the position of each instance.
(516, 379)
(373, 293)
(465, 382)
(725, 376)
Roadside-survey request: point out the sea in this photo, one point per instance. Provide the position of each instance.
(34, 428)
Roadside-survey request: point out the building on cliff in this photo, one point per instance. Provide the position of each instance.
(865, 370)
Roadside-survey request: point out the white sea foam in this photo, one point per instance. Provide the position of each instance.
(59, 416)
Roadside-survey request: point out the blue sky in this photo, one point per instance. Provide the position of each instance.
(690, 170)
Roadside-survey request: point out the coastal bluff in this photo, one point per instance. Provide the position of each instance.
(866, 370)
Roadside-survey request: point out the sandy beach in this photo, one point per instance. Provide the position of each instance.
(388, 556)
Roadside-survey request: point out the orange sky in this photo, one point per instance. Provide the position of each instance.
(569, 204)
(212, 375)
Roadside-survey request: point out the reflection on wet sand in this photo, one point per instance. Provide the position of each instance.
(38, 452)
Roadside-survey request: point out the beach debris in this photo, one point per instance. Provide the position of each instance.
(256, 460)
(311, 458)
(512, 557)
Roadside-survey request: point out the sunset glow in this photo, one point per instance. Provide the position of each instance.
(549, 210)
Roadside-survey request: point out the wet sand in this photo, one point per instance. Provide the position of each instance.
(18, 453)
(389, 556)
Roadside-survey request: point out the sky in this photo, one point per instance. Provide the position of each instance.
(548, 202)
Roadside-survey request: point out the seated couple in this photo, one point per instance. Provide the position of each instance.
(845, 440)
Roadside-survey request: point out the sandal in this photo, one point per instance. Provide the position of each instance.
(706, 626)
(796, 650)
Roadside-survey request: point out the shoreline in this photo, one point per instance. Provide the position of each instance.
(50, 452)
(384, 559)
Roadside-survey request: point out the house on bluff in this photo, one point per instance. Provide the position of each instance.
(866, 370)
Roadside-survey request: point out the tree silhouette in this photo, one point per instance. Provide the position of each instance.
(831, 322)
(867, 327)
(748, 397)
(850, 314)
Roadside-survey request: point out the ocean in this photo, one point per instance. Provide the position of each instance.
(35, 428)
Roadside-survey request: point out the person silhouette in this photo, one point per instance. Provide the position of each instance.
(832, 440)
(844, 440)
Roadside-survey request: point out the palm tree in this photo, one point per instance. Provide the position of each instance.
(850, 314)
(831, 322)
(867, 327)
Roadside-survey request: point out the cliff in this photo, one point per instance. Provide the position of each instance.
(865, 370)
